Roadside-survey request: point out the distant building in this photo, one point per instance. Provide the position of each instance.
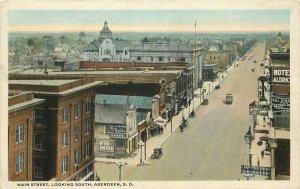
(106, 49)
(217, 56)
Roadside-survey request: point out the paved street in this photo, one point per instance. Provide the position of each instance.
(212, 147)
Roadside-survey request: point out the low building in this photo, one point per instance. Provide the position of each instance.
(116, 130)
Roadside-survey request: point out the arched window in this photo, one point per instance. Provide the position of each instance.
(107, 52)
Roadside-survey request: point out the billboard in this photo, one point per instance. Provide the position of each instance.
(280, 75)
(280, 103)
(117, 131)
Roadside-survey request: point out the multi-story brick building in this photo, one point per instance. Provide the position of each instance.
(69, 126)
(21, 111)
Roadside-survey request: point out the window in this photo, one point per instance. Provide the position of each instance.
(88, 104)
(77, 157)
(106, 129)
(76, 133)
(38, 168)
(87, 127)
(20, 133)
(66, 115)
(38, 142)
(88, 149)
(64, 164)
(19, 163)
(152, 59)
(38, 117)
(65, 139)
(160, 58)
(77, 110)
(139, 58)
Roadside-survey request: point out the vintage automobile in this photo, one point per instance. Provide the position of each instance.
(228, 99)
(157, 153)
(205, 102)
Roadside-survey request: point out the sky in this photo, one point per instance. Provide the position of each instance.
(149, 20)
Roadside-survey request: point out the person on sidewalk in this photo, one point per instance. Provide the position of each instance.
(258, 163)
(262, 154)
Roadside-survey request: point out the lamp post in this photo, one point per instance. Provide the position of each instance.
(248, 139)
(141, 144)
(120, 165)
(182, 108)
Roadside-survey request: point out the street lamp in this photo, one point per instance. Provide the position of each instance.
(248, 139)
(182, 108)
(141, 144)
(120, 165)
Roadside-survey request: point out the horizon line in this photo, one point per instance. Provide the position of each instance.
(212, 31)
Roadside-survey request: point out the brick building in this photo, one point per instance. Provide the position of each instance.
(68, 125)
(21, 111)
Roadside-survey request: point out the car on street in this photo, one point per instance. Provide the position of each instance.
(205, 102)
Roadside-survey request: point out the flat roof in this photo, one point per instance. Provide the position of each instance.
(41, 82)
(25, 104)
(52, 72)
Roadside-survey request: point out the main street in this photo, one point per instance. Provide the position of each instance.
(212, 147)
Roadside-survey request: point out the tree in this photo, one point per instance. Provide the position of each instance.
(31, 42)
(82, 35)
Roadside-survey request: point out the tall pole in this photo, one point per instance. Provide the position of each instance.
(171, 122)
(120, 167)
(141, 160)
(145, 149)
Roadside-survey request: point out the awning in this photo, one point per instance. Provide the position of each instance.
(160, 121)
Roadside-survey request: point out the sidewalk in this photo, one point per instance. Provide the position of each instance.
(157, 140)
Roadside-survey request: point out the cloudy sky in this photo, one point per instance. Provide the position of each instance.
(149, 20)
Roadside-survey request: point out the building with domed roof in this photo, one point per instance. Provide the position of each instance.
(106, 49)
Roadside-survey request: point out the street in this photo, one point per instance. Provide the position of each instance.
(212, 147)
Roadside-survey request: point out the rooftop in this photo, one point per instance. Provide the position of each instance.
(41, 82)
(140, 102)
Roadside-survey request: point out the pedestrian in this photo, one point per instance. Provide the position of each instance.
(262, 154)
(258, 162)
(181, 128)
(162, 130)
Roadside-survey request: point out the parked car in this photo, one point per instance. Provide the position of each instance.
(217, 87)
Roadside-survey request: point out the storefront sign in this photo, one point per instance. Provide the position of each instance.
(106, 145)
(281, 102)
(117, 131)
(280, 75)
(257, 170)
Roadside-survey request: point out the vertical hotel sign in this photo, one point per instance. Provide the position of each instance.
(280, 75)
